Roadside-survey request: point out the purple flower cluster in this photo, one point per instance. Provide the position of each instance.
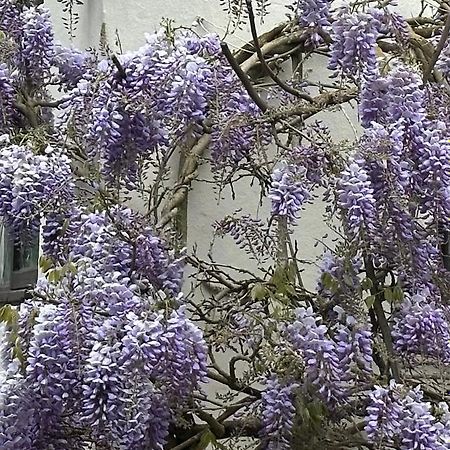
(7, 98)
(312, 162)
(136, 369)
(329, 361)
(104, 355)
(354, 41)
(157, 264)
(314, 15)
(392, 155)
(17, 430)
(235, 132)
(421, 327)
(163, 90)
(10, 18)
(102, 246)
(433, 173)
(36, 43)
(278, 413)
(344, 278)
(32, 184)
(355, 198)
(396, 25)
(287, 193)
(443, 63)
(250, 234)
(396, 96)
(72, 65)
(396, 416)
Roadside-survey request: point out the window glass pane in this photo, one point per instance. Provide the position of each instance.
(25, 254)
(5, 257)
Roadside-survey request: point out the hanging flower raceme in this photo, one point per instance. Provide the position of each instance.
(287, 192)
(388, 99)
(398, 416)
(163, 90)
(7, 99)
(98, 244)
(339, 279)
(278, 413)
(72, 64)
(103, 354)
(422, 328)
(353, 49)
(31, 184)
(236, 133)
(36, 43)
(327, 363)
(433, 173)
(356, 200)
(314, 15)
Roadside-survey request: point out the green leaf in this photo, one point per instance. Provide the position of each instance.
(258, 292)
(54, 275)
(388, 294)
(397, 294)
(5, 314)
(327, 280)
(206, 439)
(72, 268)
(291, 272)
(65, 226)
(45, 263)
(366, 284)
(370, 300)
(315, 413)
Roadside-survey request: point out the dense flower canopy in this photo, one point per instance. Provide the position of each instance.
(115, 344)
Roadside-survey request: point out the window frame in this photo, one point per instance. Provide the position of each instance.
(14, 283)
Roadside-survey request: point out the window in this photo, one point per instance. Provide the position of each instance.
(18, 266)
(446, 248)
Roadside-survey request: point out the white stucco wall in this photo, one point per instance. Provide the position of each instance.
(130, 20)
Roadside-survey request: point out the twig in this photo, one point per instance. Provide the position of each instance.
(439, 48)
(262, 105)
(381, 318)
(188, 442)
(187, 175)
(264, 63)
(119, 66)
(319, 103)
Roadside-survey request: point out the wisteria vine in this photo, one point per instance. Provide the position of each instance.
(128, 322)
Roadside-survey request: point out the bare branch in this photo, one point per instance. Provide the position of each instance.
(262, 105)
(261, 58)
(437, 52)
